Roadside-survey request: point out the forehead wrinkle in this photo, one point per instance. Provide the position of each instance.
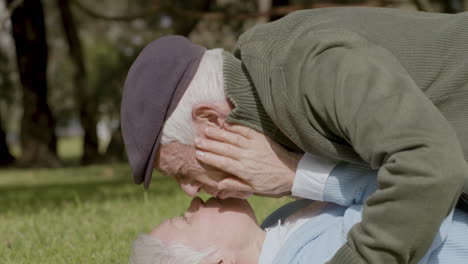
(171, 159)
(190, 165)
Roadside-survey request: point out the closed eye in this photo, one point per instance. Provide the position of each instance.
(180, 177)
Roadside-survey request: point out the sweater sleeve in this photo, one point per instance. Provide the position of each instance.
(364, 97)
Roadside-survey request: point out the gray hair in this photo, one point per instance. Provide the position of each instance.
(150, 250)
(207, 86)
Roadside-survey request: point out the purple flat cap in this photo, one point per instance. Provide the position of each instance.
(154, 86)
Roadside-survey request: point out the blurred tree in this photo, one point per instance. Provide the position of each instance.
(86, 104)
(453, 6)
(180, 25)
(424, 5)
(112, 43)
(184, 25)
(6, 90)
(5, 156)
(38, 139)
(277, 3)
(111, 64)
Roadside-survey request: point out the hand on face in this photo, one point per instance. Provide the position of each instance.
(178, 161)
(260, 165)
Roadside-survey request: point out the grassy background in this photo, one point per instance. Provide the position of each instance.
(85, 214)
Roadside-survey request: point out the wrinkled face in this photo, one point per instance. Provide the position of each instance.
(178, 161)
(224, 224)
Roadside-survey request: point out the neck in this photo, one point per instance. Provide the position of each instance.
(252, 250)
(249, 111)
(240, 90)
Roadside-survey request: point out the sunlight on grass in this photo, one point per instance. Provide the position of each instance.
(70, 148)
(85, 214)
(15, 150)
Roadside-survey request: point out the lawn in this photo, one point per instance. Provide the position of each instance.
(85, 214)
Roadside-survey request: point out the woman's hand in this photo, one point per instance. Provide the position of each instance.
(261, 166)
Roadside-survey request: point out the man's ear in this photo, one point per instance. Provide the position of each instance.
(208, 114)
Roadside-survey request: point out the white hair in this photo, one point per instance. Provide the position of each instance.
(150, 250)
(207, 86)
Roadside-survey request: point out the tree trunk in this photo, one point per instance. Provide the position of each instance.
(116, 151)
(38, 139)
(277, 3)
(89, 120)
(465, 5)
(453, 6)
(5, 156)
(87, 105)
(183, 25)
(263, 6)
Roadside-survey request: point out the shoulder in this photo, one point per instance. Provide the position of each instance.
(267, 41)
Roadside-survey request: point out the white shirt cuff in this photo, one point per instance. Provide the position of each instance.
(311, 176)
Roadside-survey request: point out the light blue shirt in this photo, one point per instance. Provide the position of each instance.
(317, 240)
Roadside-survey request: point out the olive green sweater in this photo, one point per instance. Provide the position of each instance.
(381, 86)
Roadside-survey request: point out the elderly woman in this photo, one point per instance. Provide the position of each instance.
(226, 231)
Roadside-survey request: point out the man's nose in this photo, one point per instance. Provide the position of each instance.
(190, 188)
(211, 190)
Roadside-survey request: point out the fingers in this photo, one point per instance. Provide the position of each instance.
(238, 195)
(235, 188)
(218, 147)
(241, 130)
(226, 136)
(273, 195)
(223, 163)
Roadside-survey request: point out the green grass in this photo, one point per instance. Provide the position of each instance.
(85, 214)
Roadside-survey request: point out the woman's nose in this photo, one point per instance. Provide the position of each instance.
(196, 203)
(211, 190)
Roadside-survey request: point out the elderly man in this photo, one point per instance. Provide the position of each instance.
(387, 88)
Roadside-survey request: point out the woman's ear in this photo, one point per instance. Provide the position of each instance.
(218, 258)
(208, 115)
(223, 261)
